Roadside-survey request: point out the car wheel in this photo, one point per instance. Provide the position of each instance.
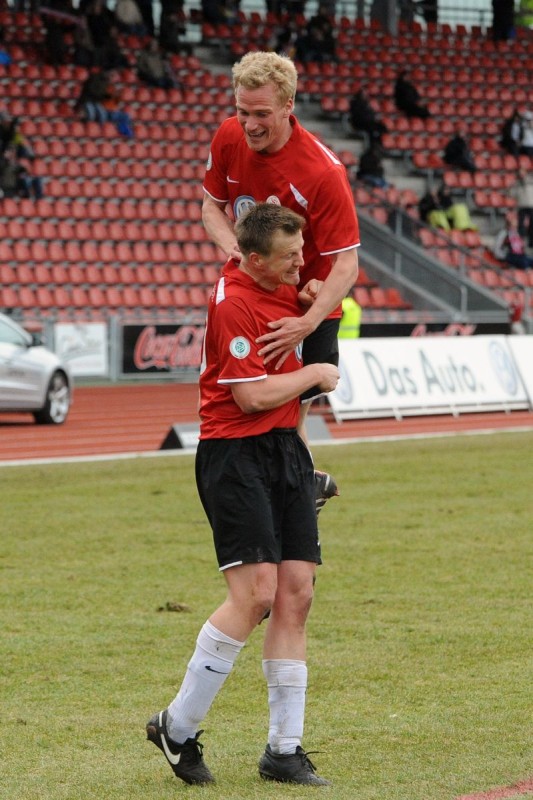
(57, 405)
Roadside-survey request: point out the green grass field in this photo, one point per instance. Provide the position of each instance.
(420, 637)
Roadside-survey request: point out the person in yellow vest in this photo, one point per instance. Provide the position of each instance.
(350, 324)
(525, 13)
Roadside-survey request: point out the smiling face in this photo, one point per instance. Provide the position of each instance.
(264, 120)
(282, 265)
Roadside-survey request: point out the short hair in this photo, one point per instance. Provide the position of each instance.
(256, 229)
(257, 69)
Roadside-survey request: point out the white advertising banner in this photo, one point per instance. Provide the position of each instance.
(83, 347)
(426, 375)
(522, 350)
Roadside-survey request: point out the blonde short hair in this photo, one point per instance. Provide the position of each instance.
(257, 69)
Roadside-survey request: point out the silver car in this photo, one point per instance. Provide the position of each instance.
(32, 378)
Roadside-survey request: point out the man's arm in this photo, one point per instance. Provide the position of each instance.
(276, 390)
(288, 332)
(219, 226)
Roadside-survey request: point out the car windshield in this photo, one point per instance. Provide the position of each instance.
(10, 335)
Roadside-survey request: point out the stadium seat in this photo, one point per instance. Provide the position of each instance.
(44, 298)
(164, 297)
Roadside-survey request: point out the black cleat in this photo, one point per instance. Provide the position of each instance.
(293, 768)
(185, 759)
(325, 487)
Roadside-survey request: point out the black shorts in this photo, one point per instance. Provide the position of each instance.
(258, 494)
(321, 347)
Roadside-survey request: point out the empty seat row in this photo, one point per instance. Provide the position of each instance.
(95, 297)
(37, 252)
(378, 297)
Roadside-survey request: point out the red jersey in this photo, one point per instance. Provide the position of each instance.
(304, 175)
(238, 312)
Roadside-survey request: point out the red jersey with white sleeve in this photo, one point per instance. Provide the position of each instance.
(238, 312)
(304, 175)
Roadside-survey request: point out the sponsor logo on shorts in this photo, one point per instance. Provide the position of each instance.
(239, 347)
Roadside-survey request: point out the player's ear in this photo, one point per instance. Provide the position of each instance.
(289, 107)
(255, 259)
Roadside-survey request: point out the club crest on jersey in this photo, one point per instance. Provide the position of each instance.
(239, 347)
(243, 204)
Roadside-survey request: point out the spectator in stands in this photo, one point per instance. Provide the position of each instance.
(512, 133)
(457, 152)
(509, 246)
(350, 324)
(284, 40)
(363, 117)
(407, 97)
(153, 66)
(84, 49)
(403, 218)
(371, 170)
(289, 7)
(129, 18)
(407, 10)
(171, 30)
(56, 48)
(524, 203)
(316, 44)
(99, 100)
(5, 58)
(16, 179)
(324, 19)
(429, 9)
(100, 20)
(526, 138)
(502, 20)
(457, 212)
(173, 7)
(111, 56)
(12, 138)
(92, 96)
(440, 210)
(214, 11)
(147, 11)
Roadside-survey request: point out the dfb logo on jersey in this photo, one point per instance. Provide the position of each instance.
(239, 347)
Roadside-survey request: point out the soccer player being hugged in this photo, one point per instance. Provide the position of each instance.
(255, 479)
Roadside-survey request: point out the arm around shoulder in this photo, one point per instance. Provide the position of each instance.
(218, 225)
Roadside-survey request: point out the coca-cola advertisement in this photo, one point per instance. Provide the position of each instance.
(162, 348)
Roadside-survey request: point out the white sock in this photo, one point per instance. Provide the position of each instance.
(207, 670)
(287, 685)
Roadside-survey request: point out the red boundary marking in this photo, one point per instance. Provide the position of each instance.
(522, 787)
